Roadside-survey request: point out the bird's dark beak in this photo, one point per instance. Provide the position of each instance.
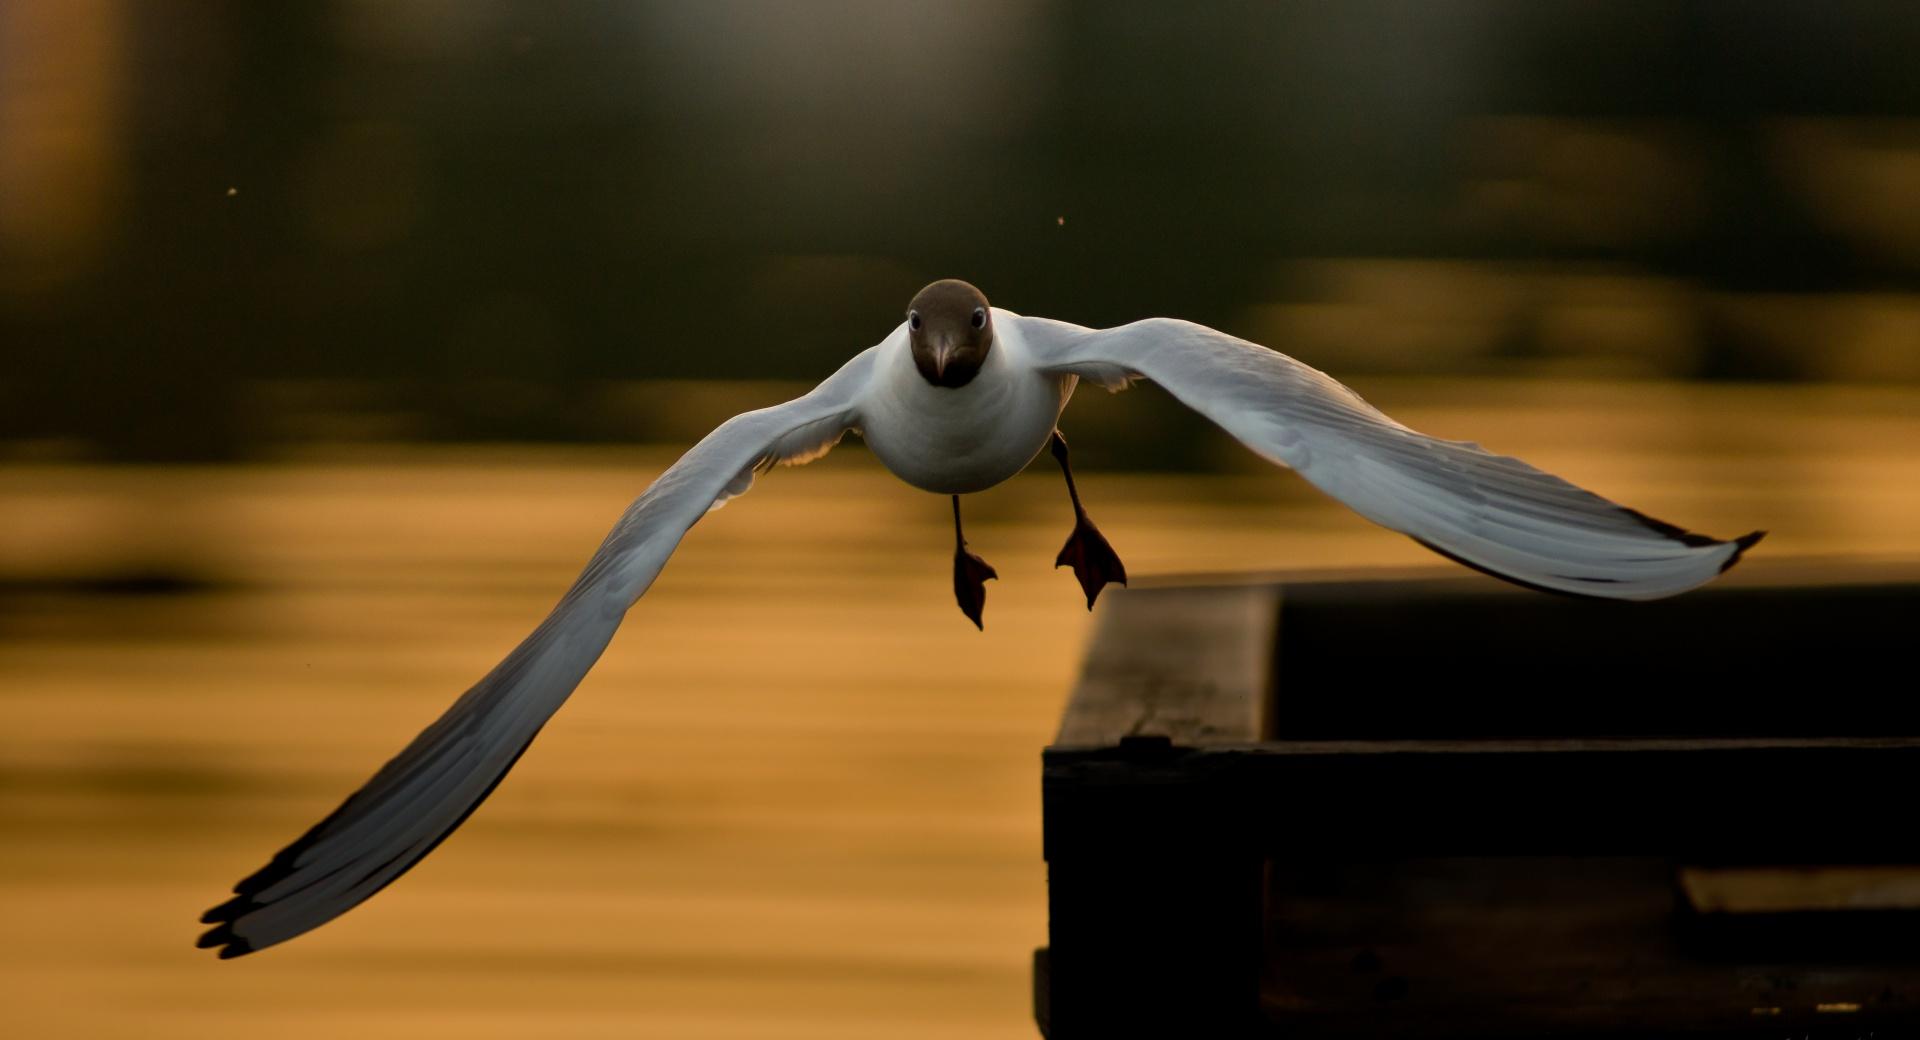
(942, 353)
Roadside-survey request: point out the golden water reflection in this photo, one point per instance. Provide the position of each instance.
(798, 798)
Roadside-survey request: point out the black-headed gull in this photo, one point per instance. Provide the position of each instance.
(958, 398)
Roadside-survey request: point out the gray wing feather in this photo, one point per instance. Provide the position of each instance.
(426, 791)
(1491, 512)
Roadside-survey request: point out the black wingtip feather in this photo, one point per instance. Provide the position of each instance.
(226, 911)
(218, 935)
(1699, 541)
(1741, 545)
(283, 863)
(1691, 539)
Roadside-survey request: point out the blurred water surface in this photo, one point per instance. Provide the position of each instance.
(798, 797)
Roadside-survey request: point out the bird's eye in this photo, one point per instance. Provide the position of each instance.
(913, 320)
(979, 317)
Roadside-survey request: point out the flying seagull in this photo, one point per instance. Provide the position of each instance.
(958, 398)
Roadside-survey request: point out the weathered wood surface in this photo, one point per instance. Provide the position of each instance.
(1188, 664)
(1162, 873)
(1532, 947)
(1752, 800)
(1471, 658)
(1588, 751)
(1783, 890)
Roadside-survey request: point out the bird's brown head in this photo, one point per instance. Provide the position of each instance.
(950, 327)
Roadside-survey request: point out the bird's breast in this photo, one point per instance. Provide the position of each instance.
(955, 441)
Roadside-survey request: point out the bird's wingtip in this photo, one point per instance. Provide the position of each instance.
(1699, 541)
(1692, 539)
(1740, 547)
(226, 911)
(219, 935)
(236, 948)
(222, 936)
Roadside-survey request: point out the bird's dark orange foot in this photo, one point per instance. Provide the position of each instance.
(1093, 561)
(970, 575)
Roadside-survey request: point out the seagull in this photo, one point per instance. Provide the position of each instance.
(956, 399)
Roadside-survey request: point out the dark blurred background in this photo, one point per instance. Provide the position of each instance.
(229, 226)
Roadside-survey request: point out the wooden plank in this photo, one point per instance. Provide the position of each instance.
(1804, 889)
(1188, 664)
(1709, 802)
(1530, 947)
(1154, 895)
(1469, 658)
(1745, 801)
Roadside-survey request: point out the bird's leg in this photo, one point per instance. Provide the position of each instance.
(1093, 561)
(970, 574)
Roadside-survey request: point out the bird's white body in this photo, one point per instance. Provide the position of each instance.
(958, 440)
(1485, 510)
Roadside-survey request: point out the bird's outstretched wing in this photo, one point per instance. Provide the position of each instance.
(430, 788)
(1488, 511)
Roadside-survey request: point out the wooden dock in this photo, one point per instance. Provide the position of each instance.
(1442, 807)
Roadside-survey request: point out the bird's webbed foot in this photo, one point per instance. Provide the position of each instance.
(970, 574)
(1093, 561)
